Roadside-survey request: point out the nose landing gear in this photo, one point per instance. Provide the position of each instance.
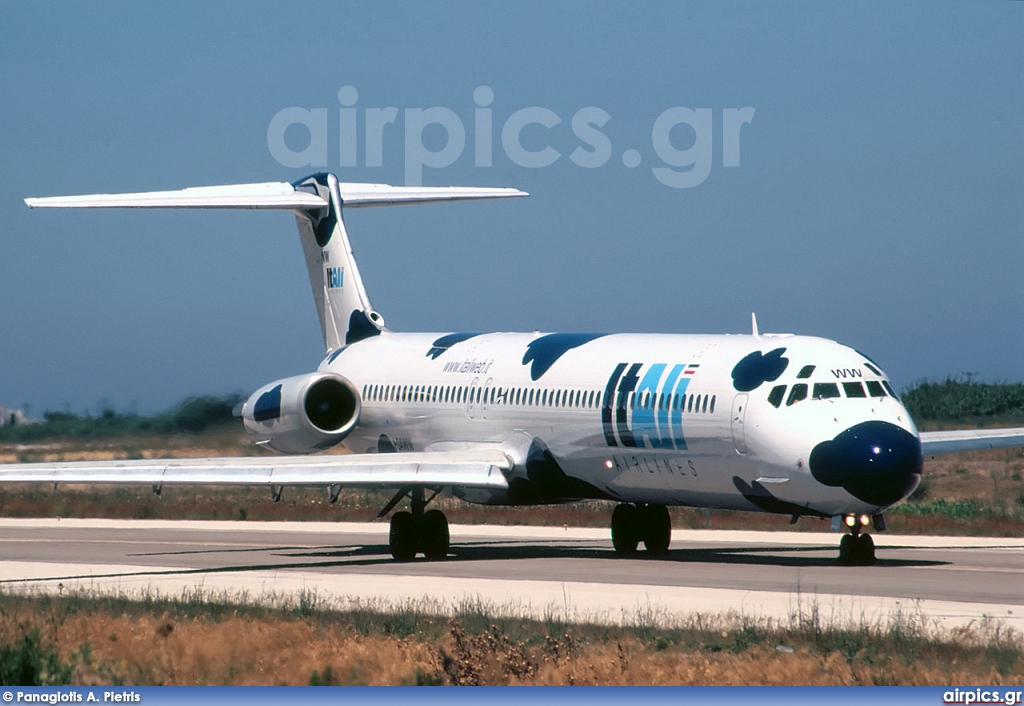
(855, 548)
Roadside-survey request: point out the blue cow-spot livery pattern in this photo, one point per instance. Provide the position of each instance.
(542, 353)
(758, 368)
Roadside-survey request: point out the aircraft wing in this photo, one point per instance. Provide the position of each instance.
(475, 469)
(944, 442)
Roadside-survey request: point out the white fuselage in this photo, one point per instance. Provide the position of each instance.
(648, 418)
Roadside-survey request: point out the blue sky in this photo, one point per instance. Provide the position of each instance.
(877, 200)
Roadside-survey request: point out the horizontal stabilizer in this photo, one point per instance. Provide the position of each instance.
(944, 442)
(274, 195)
(473, 469)
(268, 195)
(357, 195)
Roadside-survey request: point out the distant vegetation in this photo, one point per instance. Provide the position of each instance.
(193, 416)
(956, 401)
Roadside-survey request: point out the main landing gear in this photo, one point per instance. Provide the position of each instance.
(632, 524)
(856, 549)
(419, 530)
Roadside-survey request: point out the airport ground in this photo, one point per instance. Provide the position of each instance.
(198, 631)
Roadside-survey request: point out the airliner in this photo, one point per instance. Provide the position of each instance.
(778, 423)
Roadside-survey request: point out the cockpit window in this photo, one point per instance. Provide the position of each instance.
(875, 388)
(825, 390)
(776, 395)
(805, 372)
(873, 369)
(853, 389)
(799, 392)
(889, 389)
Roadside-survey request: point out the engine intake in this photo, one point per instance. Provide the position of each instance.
(302, 414)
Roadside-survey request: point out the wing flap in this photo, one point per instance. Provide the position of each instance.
(944, 442)
(475, 469)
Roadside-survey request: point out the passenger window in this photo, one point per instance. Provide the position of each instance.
(825, 390)
(705, 410)
(776, 395)
(797, 394)
(697, 405)
(875, 389)
(713, 398)
(805, 372)
(689, 405)
(853, 389)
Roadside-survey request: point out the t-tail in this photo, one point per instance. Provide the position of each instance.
(318, 201)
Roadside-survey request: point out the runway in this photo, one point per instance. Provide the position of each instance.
(948, 582)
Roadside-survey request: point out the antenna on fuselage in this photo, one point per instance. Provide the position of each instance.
(753, 325)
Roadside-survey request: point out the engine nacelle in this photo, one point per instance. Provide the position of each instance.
(302, 414)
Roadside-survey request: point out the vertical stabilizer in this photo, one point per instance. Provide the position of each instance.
(346, 315)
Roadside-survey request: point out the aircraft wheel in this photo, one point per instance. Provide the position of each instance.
(857, 550)
(625, 528)
(846, 549)
(865, 550)
(402, 536)
(434, 535)
(657, 528)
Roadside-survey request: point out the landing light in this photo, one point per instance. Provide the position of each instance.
(850, 520)
(609, 464)
(865, 520)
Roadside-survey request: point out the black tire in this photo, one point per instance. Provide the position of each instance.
(625, 528)
(847, 550)
(657, 528)
(434, 535)
(865, 550)
(402, 536)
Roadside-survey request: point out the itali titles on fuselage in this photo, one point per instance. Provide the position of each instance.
(785, 424)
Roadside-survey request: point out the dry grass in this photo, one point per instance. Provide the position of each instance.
(115, 641)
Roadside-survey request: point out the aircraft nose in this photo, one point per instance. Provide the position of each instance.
(877, 462)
